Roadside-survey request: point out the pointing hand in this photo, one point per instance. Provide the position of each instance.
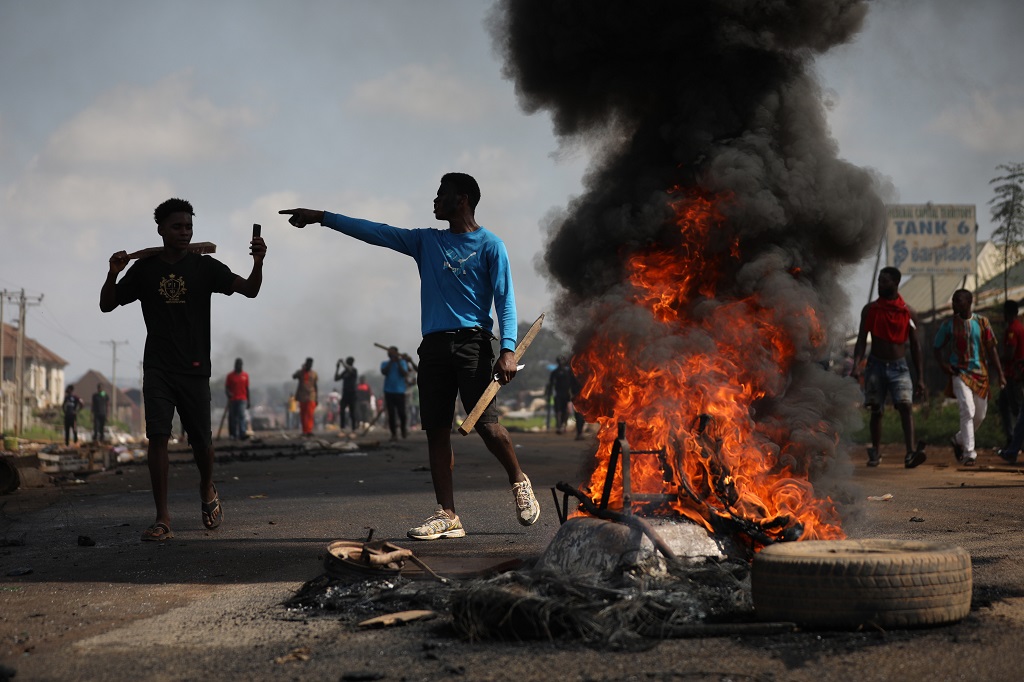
(300, 217)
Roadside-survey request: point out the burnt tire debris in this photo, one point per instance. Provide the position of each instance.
(632, 611)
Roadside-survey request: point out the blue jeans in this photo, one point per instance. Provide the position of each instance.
(236, 419)
(887, 378)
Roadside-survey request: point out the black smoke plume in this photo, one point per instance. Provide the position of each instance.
(718, 97)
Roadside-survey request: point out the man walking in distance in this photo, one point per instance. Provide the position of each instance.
(71, 406)
(306, 395)
(965, 348)
(395, 369)
(1010, 398)
(236, 385)
(347, 377)
(100, 403)
(560, 386)
(463, 269)
(892, 325)
(174, 288)
(366, 404)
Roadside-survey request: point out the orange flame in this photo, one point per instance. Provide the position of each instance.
(692, 387)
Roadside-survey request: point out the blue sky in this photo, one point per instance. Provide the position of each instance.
(248, 107)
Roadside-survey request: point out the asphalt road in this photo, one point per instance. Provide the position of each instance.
(207, 605)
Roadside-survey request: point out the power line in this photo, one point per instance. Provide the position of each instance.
(55, 325)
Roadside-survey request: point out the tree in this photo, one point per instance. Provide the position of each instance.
(1008, 214)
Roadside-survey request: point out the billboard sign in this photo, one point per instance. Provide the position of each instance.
(932, 239)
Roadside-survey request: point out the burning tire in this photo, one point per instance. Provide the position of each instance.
(855, 583)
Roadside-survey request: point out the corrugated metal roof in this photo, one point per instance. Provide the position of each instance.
(1014, 280)
(917, 292)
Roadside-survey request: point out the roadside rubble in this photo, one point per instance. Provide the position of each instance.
(33, 464)
(631, 606)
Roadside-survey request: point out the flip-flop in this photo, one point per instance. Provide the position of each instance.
(213, 513)
(158, 532)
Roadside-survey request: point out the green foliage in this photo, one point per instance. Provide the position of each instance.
(934, 423)
(43, 432)
(525, 424)
(1008, 214)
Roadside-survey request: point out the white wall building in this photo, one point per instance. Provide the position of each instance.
(43, 379)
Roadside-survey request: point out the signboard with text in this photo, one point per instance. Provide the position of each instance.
(932, 239)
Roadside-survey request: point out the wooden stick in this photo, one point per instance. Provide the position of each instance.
(222, 416)
(404, 356)
(370, 425)
(492, 388)
(198, 247)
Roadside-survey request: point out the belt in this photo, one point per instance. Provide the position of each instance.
(872, 358)
(458, 333)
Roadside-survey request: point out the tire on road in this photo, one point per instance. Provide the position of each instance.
(848, 584)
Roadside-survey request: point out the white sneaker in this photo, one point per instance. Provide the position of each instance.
(527, 506)
(438, 525)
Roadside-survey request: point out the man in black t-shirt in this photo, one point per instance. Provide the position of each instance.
(100, 403)
(71, 405)
(559, 385)
(348, 378)
(174, 288)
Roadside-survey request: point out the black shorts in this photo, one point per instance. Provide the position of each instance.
(459, 362)
(163, 392)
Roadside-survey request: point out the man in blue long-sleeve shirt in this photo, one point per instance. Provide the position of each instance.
(462, 271)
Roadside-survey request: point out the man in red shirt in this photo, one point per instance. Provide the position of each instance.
(1012, 396)
(892, 325)
(236, 385)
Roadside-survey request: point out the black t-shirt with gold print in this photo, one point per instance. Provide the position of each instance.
(175, 302)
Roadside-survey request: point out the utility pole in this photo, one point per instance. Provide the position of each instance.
(19, 362)
(113, 377)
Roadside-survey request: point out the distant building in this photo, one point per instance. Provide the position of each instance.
(43, 378)
(127, 400)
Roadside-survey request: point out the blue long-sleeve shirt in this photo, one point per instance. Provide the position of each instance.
(460, 274)
(394, 379)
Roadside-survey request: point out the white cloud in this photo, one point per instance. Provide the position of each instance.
(87, 198)
(322, 253)
(419, 92)
(165, 122)
(390, 210)
(105, 168)
(241, 220)
(505, 178)
(983, 125)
